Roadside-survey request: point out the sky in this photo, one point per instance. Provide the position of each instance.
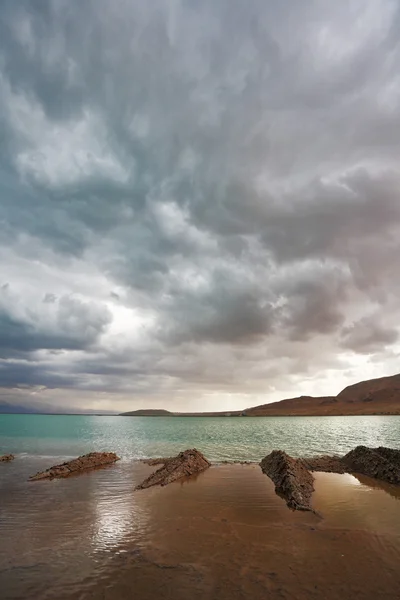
(199, 201)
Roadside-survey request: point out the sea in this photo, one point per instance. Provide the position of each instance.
(219, 438)
(69, 538)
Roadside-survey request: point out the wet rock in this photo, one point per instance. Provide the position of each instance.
(7, 457)
(379, 463)
(328, 464)
(291, 478)
(155, 461)
(82, 463)
(390, 454)
(186, 463)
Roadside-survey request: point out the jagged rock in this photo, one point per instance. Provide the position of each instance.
(82, 463)
(7, 457)
(380, 463)
(291, 478)
(186, 463)
(328, 464)
(390, 454)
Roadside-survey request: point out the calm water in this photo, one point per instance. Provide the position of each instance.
(66, 538)
(219, 438)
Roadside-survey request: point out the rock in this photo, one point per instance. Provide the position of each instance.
(291, 478)
(390, 454)
(7, 457)
(380, 463)
(328, 464)
(186, 463)
(82, 463)
(152, 462)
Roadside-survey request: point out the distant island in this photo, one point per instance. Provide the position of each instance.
(159, 412)
(372, 397)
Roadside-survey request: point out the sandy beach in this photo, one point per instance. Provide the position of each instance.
(222, 534)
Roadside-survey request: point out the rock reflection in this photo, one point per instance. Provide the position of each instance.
(356, 502)
(375, 484)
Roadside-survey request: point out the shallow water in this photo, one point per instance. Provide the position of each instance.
(223, 534)
(53, 533)
(219, 438)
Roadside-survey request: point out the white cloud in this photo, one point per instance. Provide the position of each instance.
(57, 154)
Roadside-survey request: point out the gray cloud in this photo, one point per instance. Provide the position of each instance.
(69, 324)
(198, 197)
(369, 335)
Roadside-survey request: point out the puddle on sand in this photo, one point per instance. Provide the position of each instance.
(357, 502)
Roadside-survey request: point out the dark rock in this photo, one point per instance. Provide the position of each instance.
(380, 463)
(82, 463)
(186, 463)
(328, 464)
(154, 461)
(390, 454)
(291, 478)
(7, 457)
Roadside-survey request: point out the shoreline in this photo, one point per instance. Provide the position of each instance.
(395, 413)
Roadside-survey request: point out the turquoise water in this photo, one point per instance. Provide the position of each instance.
(219, 438)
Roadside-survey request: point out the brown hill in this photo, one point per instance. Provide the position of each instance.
(384, 389)
(147, 412)
(303, 405)
(372, 397)
(158, 412)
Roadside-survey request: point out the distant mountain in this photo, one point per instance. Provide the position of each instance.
(382, 390)
(148, 412)
(159, 412)
(303, 405)
(372, 397)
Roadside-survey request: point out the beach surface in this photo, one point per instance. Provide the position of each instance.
(222, 534)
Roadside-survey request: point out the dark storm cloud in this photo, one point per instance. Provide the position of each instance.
(225, 313)
(27, 375)
(198, 184)
(72, 325)
(314, 303)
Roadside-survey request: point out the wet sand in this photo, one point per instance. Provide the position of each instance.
(222, 535)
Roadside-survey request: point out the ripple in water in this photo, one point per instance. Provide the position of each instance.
(247, 438)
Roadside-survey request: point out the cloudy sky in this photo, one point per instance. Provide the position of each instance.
(199, 201)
